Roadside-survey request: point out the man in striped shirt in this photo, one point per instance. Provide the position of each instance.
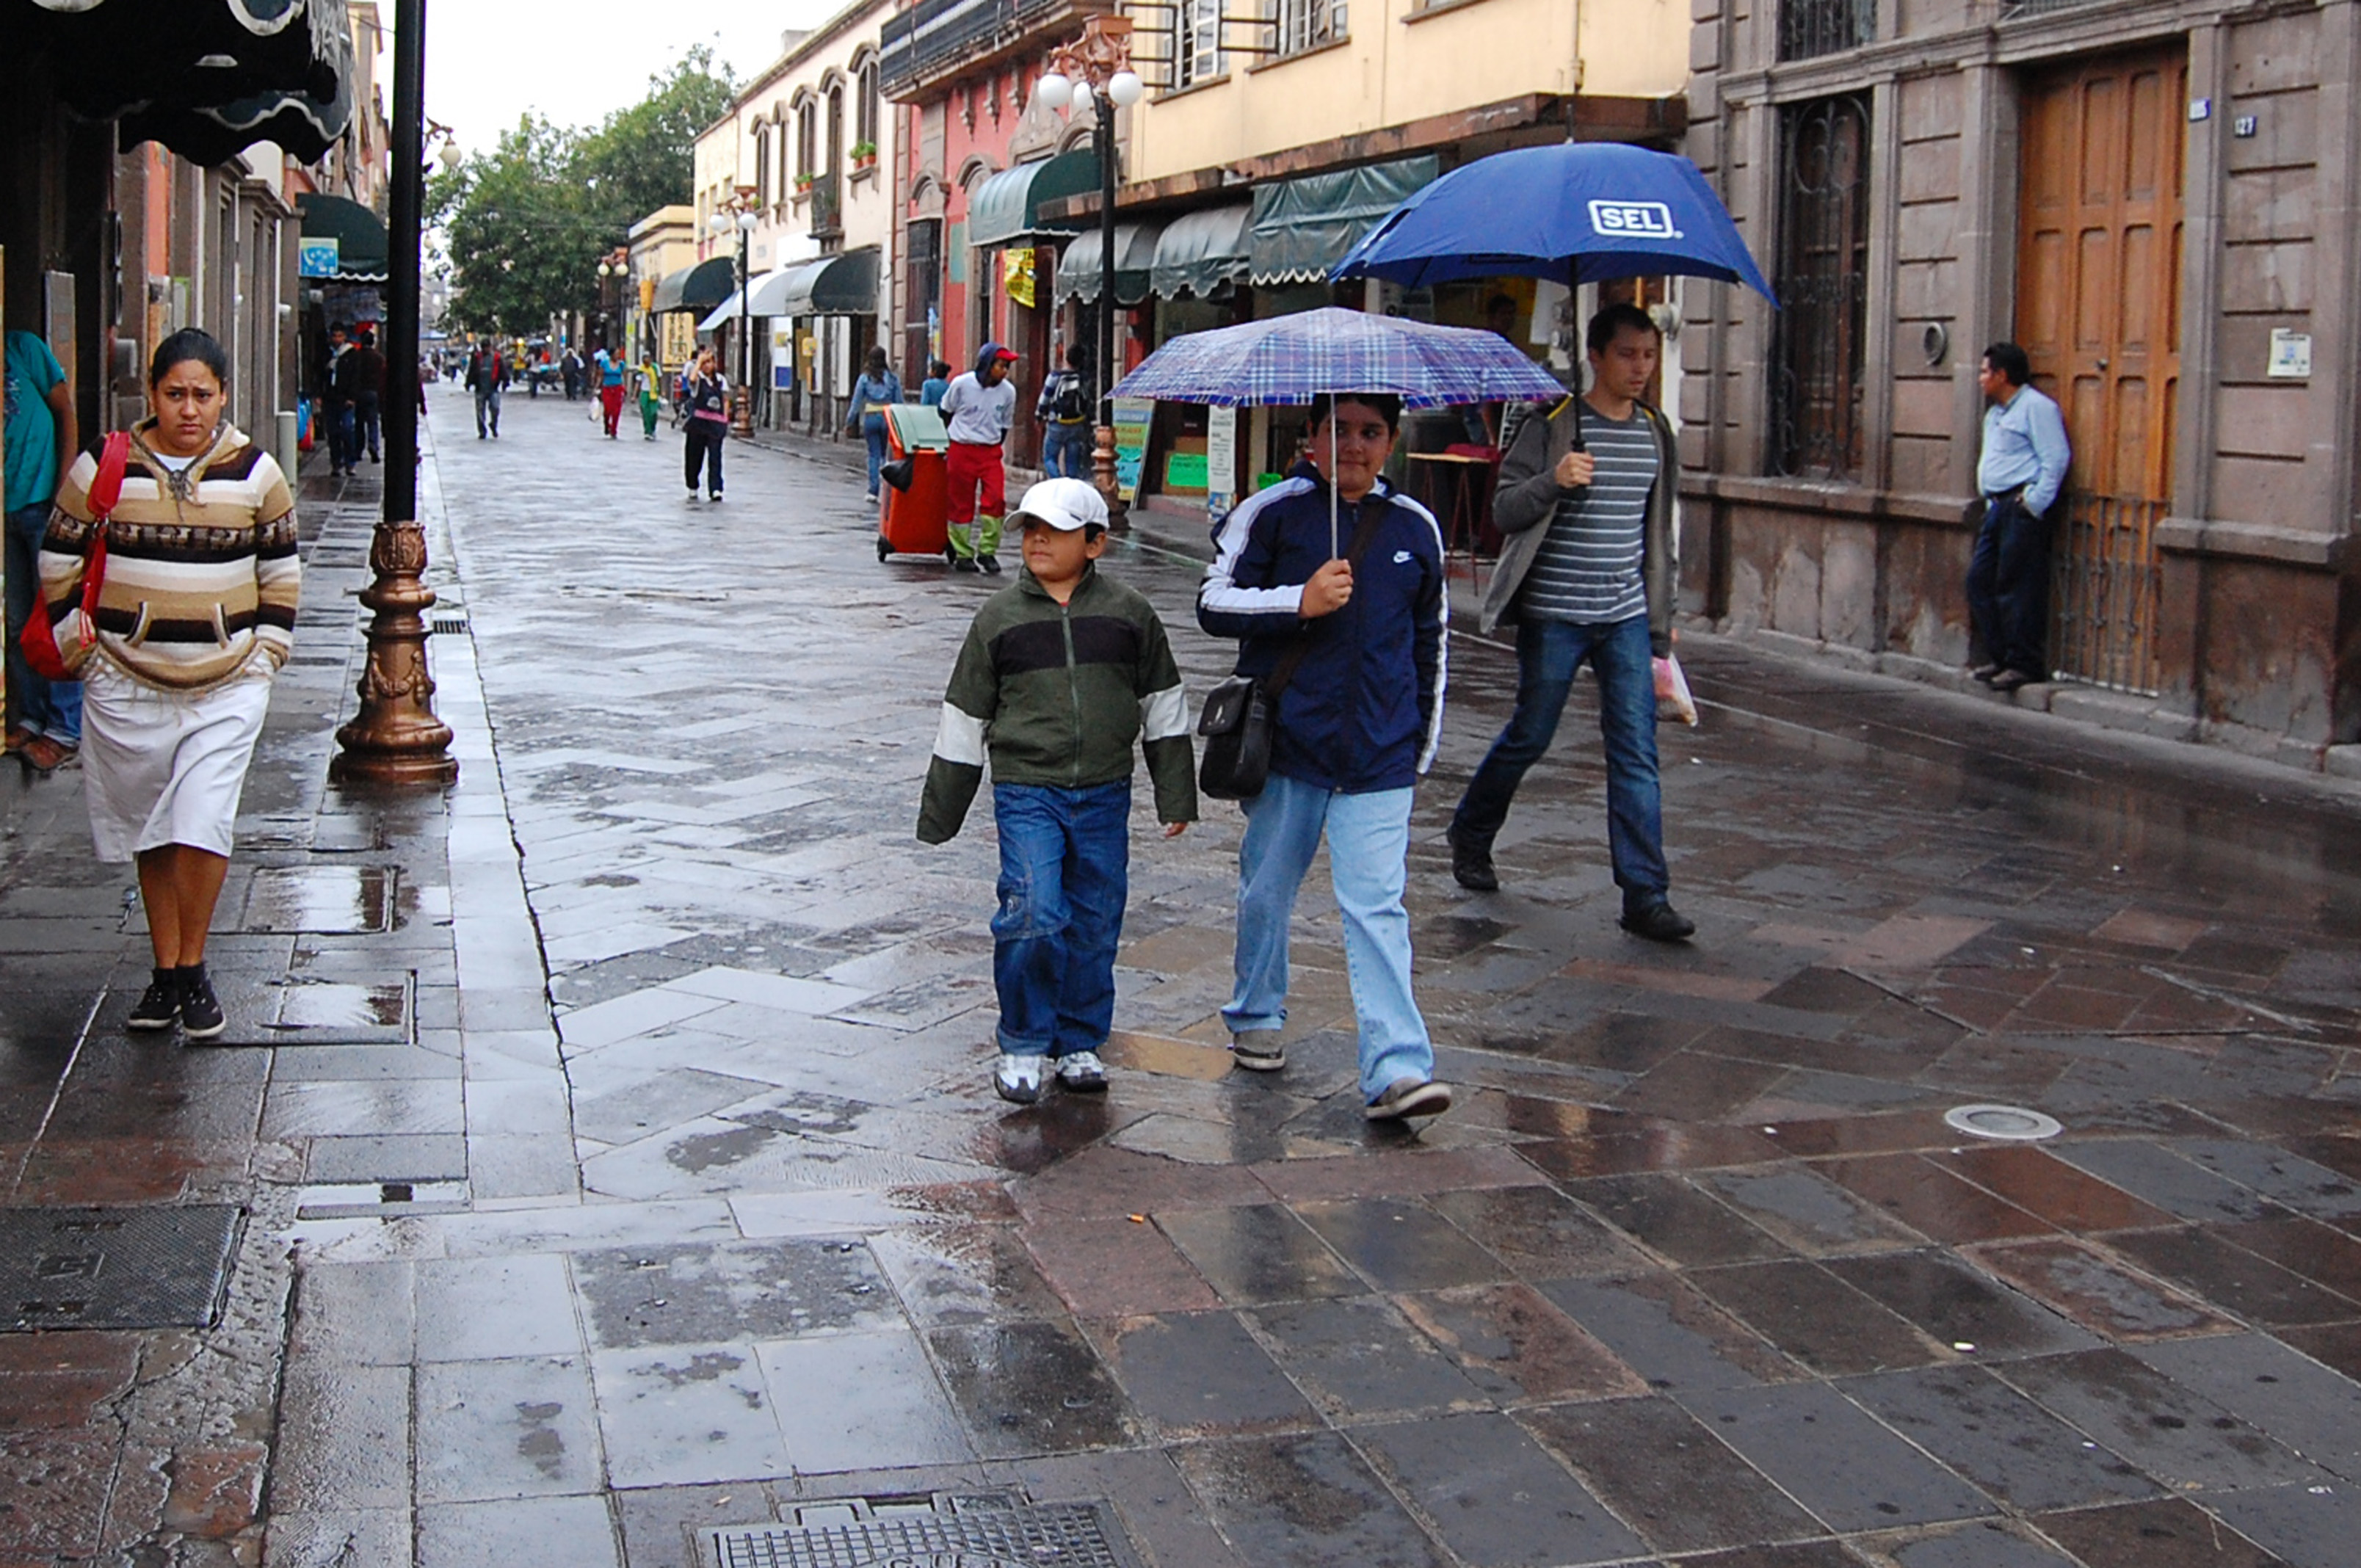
(1585, 503)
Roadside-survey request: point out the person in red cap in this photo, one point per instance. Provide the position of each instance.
(978, 409)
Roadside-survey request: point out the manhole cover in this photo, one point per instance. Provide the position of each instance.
(939, 1532)
(114, 1268)
(2009, 1124)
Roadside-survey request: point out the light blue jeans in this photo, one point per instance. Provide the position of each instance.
(1369, 849)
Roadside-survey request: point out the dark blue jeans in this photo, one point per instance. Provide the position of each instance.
(2008, 587)
(1065, 871)
(365, 428)
(1548, 655)
(340, 435)
(46, 708)
(1065, 450)
(872, 430)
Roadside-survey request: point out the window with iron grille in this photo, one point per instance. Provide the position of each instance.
(1823, 283)
(1308, 24)
(1812, 28)
(1198, 55)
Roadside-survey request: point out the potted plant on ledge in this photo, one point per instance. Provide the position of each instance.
(804, 182)
(865, 155)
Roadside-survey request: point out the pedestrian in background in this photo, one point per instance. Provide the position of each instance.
(44, 726)
(1355, 723)
(938, 382)
(707, 426)
(2020, 472)
(1063, 412)
(1061, 673)
(336, 403)
(195, 617)
(1588, 573)
(365, 376)
(610, 389)
(651, 398)
(878, 390)
(978, 409)
(487, 373)
(570, 369)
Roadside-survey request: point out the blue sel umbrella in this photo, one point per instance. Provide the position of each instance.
(1573, 213)
(1295, 358)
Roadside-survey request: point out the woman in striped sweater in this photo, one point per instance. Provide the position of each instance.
(195, 615)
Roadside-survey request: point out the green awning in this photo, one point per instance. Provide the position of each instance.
(698, 288)
(1304, 226)
(1198, 252)
(359, 234)
(1135, 255)
(1007, 205)
(843, 285)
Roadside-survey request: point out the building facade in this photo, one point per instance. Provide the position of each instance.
(808, 149)
(2158, 201)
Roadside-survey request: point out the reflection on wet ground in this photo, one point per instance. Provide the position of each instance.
(1696, 1268)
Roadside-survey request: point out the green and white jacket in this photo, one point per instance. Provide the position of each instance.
(1054, 694)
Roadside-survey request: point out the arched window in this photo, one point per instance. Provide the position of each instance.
(867, 123)
(835, 132)
(807, 137)
(761, 164)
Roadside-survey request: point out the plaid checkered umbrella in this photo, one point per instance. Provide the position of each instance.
(1295, 358)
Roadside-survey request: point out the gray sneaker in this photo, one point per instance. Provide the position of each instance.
(1258, 1051)
(1082, 1073)
(1406, 1097)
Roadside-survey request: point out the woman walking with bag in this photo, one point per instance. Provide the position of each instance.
(878, 390)
(708, 425)
(194, 615)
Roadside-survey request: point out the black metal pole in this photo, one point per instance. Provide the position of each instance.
(400, 411)
(1106, 369)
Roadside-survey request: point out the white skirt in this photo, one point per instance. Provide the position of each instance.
(163, 767)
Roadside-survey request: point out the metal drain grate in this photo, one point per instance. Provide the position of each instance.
(965, 1532)
(448, 626)
(114, 1268)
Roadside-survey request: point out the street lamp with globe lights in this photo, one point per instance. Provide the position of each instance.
(738, 212)
(1095, 73)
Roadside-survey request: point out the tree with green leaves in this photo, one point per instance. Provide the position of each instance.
(526, 223)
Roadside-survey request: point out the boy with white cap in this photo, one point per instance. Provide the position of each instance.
(1061, 673)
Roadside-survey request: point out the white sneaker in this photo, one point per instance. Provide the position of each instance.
(1082, 1071)
(1018, 1079)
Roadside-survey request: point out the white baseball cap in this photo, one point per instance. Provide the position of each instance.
(1067, 505)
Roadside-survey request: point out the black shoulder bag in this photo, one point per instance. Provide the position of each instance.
(1240, 713)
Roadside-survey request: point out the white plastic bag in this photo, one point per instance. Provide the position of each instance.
(1672, 699)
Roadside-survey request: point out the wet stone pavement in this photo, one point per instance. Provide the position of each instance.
(644, 1179)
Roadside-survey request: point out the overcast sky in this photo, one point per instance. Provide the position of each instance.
(488, 61)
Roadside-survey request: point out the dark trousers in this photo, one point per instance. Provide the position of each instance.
(339, 420)
(1548, 655)
(365, 428)
(2008, 587)
(703, 448)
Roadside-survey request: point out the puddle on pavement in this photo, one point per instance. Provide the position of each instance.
(335, 1005)
(325, 900)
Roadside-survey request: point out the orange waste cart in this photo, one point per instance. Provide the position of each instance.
(914, 519)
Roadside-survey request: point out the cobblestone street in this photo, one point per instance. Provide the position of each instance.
(620, 1160)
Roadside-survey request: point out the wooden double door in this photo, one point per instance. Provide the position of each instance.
(2098, 312)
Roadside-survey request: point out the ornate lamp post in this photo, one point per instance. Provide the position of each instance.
(738, 212)
(613, 269)
(396, 738)
(1097, 70)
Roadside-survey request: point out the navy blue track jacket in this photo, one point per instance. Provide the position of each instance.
(1364, 708)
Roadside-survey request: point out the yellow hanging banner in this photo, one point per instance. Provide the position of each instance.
(1016, 271)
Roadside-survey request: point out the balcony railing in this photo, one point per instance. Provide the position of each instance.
(922, 42)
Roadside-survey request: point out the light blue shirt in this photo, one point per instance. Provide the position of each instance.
(2025, 444)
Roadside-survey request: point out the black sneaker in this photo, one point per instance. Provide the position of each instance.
(158, 1006)
(1984, 673)
(1658, 921)
(200, 1010)
(1471, 864)
(989, 564)
(965, 563)
(1406, 1097)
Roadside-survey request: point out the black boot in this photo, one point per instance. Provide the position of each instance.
(1471, 862)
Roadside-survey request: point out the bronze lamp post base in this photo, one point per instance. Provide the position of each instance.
(396, 738)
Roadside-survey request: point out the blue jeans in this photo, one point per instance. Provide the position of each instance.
(1066, 451)
(1369, 849)
(46, 708)
(1548, 655)
(2008, 587)
(365, 432)
(1065, 872)
(872, 430)
(340, 435)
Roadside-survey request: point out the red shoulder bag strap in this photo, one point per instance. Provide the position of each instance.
(106, 489)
